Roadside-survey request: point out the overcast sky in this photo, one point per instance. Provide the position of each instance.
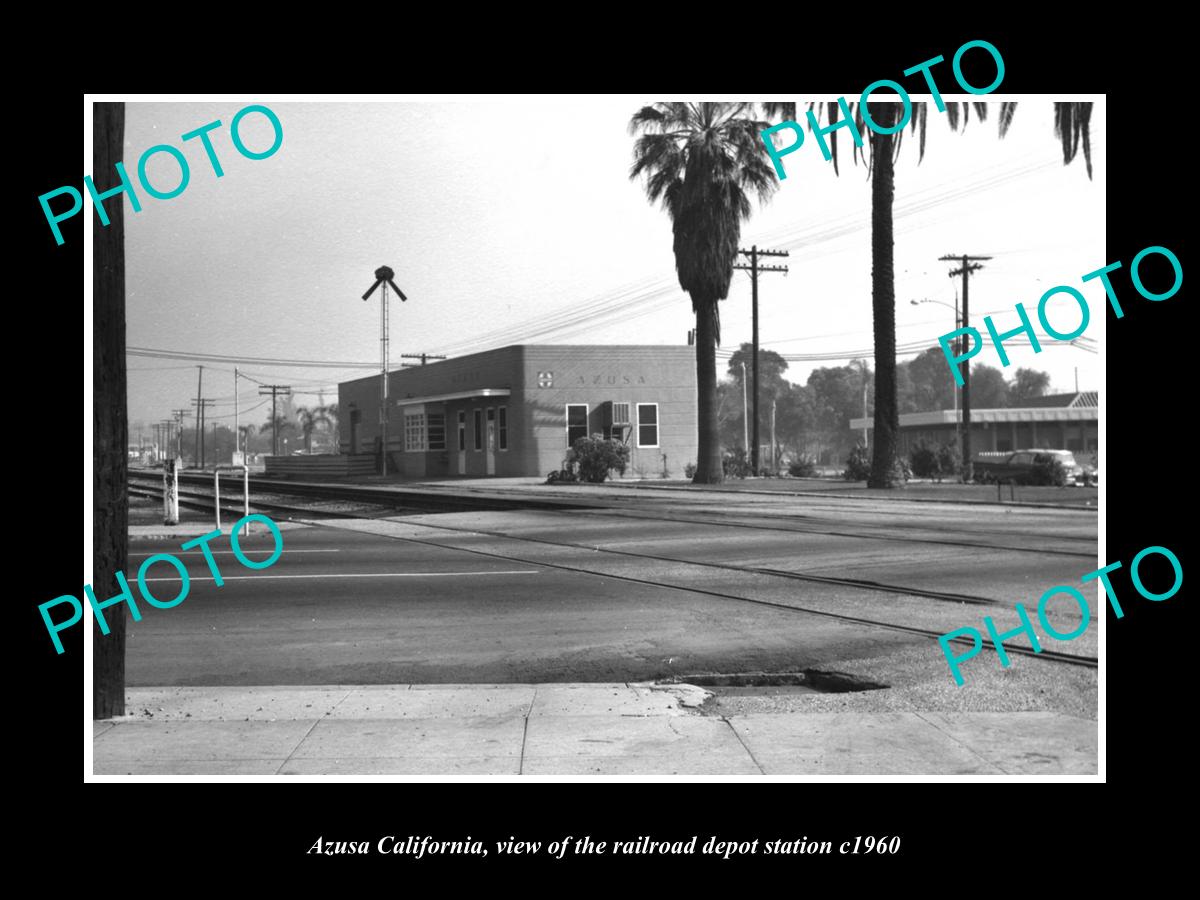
(506, 221)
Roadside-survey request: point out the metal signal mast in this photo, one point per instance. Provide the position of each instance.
(383, 276)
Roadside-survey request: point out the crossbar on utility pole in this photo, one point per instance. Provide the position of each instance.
(421, 356)
(967, 265)
(754, 268)
(274, 390)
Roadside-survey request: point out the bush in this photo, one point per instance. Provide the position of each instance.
(950, 459)
(858, 464)
(929, 461)
(689, 471)
(924, 460)
(803, 466)
(562, 476)
(594, 457)
(1048, 470)
(734, 463)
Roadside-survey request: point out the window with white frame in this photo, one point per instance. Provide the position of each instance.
(647, 425)
(414, 432)
(577, 422)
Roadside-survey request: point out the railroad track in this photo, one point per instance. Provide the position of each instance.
(434, 501)
(305, 515)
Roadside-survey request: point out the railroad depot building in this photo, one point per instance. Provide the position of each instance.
(1053, 422)
(516, 410)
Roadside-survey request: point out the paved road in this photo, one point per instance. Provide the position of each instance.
(495, 597)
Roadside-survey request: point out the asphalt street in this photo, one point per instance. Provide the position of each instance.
(499, 597)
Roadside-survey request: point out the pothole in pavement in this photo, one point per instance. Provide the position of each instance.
(811, 681)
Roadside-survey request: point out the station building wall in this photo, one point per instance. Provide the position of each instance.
(513, 411)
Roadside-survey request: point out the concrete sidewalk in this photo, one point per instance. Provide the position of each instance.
(560, 729)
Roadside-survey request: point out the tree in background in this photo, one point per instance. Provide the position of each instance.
(928, 386)
(989, 390)
(309, 419)
(1026, 385)
(1071, 126)
(702, 160)
(836, 399)
(330, 411)
(772, 385)
(279, 427)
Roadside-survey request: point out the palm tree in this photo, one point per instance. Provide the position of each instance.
(279, 422)
(700, 161)
(309, 419)
(1071, 126)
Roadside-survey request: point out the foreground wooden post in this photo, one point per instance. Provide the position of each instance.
(110, 515)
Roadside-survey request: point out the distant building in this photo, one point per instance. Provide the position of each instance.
(516, 410)
(1054, 422)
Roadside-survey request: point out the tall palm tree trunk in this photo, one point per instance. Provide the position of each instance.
(883, 305)
(708, 453)
(110, 514)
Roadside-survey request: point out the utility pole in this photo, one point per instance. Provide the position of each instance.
(773, 445)
(745, 414)
(199, 394)
(201, 407)
(233, 459)
(421, 356)
(968, 264)
(754, 268)
(179, 414)
(168, 435)
(274, 390)
(863, 364)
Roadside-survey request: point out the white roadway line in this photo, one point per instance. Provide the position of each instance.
(354, 575)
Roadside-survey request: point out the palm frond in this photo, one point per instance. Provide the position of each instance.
(1007, 111)
(1072, 125)
(780, 110)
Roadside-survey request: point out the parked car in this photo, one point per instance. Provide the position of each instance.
(1020, 466)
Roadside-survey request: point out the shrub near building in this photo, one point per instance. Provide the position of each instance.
(591, 459)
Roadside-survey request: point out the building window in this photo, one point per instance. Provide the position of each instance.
(577, 424)
(414, 432)
(478, 421)
(462, 429)
(647, 424)
(491, 431)
(504, 428)
(436, 431)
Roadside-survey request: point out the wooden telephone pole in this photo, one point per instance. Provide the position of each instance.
(968, 264)
(754, 268)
